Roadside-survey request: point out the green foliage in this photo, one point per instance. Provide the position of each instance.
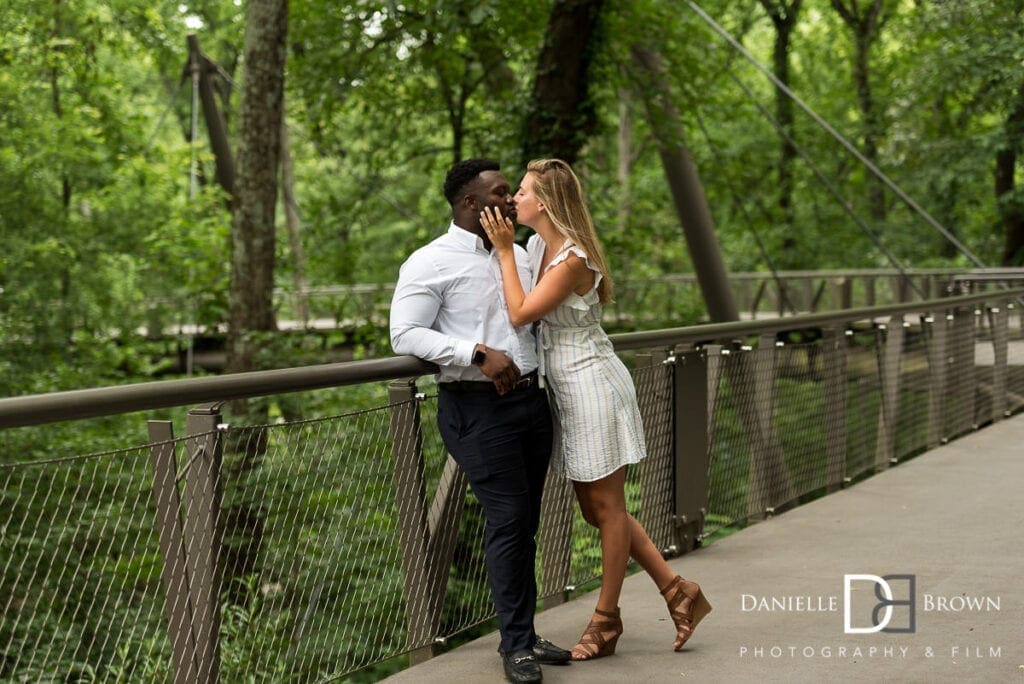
(102, 233)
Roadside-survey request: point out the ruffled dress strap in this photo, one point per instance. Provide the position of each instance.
(569, 248)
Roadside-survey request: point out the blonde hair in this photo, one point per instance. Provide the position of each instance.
(561, 193)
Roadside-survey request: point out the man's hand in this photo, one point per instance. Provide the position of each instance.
(500, 369)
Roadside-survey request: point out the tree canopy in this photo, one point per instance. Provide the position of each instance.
(109, 204)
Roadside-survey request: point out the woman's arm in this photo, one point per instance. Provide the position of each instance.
(557, 284)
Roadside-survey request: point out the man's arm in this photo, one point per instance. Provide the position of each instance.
(414, 308)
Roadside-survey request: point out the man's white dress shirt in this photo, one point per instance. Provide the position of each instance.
(449, 299)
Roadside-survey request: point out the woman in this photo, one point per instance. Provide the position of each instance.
(597, 421)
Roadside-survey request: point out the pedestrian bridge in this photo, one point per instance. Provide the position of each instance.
(326, 536)
(950, 519)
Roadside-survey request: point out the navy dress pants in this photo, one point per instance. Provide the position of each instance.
(503, 445)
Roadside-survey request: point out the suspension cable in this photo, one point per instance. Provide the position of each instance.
(835, 134)
(830, 187)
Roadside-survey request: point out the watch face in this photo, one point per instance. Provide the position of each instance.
(479, 356)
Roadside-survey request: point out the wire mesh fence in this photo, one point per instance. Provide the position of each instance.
(80, 570)
(1015, 358)
(311, 548)
(344, 541)
(907, 386)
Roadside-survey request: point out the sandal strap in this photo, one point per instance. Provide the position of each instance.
(673, 582)
(594, 634)
(675, 602)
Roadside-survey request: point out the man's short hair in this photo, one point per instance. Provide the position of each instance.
(463, 173)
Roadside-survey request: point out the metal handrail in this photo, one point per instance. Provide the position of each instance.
(55, 407)
(90, 403)
(696, 334)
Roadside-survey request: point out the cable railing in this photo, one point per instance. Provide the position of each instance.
(307, 550)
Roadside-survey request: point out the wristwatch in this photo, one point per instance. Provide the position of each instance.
(479, 356)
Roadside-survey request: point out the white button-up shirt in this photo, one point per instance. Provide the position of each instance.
(449, 299)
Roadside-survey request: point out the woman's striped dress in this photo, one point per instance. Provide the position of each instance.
(597, 421)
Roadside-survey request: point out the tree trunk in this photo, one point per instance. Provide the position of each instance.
(291, 212)
(687, 190)
(866, 102)
(205, 68)
(562, 116)
(1011, 206)
(784, 17)
(866, 25)
(67, 319)
(625, 161)
(250, 299)
(250, 302)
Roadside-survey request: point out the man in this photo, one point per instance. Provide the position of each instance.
(448, 308)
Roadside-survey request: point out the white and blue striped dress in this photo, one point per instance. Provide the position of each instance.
(597, 421)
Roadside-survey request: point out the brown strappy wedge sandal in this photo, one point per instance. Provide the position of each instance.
(594, 636)
(687, 606)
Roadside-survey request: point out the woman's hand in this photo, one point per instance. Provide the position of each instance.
(500, 229)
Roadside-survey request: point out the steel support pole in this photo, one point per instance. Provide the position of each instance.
(410, 495)
(691, 449)
(890, 350)
(204, 533)
(174, 573)
(833, 388)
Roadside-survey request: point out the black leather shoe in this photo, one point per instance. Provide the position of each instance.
(549, 654)
(521, 666)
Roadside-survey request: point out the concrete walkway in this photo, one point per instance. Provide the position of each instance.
(953, 518)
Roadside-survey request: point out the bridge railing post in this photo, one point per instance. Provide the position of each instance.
(427, 536)
(807, 297)
(178, 590)
(691, 446)
(203, 533)
(744, 295)
(556, 518)
(834, 388)
(999, 322)
(843, 293)
(770, 484)
(191, 538)
(410, 498)
(936, 327)
(889, 345)
(965, 323)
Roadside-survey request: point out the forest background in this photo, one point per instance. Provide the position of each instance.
(111, 195)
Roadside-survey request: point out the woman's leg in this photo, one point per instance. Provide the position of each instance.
(591, 496)
(643, 550)
(685, 603)
(603, 503)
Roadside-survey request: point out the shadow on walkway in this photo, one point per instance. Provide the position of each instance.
(953, 518)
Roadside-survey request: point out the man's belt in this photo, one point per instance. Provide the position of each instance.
(474, 387)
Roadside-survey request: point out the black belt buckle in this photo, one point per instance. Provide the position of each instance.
(526, 382)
